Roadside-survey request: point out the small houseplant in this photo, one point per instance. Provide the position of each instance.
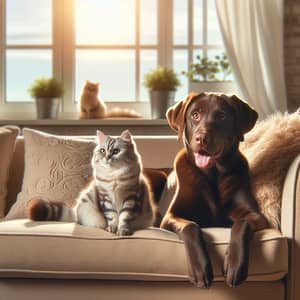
(162, 84)
(204, 69)
(47, 93)
(206, 74)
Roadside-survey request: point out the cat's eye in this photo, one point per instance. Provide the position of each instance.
(116, 151)
(102, 150)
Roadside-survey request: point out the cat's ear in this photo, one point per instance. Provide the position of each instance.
(100, 137)
(97, 83)
(126, 136)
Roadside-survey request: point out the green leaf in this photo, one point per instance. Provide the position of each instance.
(162, 78)
(46, 88)
(207, 69)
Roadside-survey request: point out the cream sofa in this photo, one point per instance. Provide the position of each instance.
(54, 260)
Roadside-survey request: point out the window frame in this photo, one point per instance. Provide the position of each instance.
(191, 47)
(27, 106)
(64, 47)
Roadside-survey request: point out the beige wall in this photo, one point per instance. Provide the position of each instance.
(292, 52)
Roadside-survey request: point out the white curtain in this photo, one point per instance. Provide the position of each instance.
(252, 31)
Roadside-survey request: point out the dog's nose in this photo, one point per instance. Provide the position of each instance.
(202, 139)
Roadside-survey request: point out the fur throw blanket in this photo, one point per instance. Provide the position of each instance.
(270, 147)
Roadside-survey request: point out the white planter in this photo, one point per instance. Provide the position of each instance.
(214, 86)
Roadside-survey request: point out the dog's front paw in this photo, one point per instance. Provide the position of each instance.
(235, 267)
(201, 276)
(123, 231)
(199, 265)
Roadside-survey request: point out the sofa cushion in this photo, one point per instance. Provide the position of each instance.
(56, 168)
(8, 136)
(67, 250)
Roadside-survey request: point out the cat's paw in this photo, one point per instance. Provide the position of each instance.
(111, 228)
(123, 231)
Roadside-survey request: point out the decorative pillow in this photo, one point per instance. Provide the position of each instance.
(56, 169)
(270, 147)
(8, 135)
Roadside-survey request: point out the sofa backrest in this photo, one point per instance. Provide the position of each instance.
(156, 152)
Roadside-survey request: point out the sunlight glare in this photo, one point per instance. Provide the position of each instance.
(105, 22)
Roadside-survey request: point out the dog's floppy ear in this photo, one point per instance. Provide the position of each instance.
(176, 114)
(245, 116)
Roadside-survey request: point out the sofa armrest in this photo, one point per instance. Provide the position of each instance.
(291, 200)
(290, 226)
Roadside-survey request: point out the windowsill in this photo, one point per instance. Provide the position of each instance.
(82, 122)
(72, 118)
(69, 124)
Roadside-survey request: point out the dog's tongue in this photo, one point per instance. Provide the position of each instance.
(203, 161)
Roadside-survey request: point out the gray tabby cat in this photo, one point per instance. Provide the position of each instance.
(118, 199)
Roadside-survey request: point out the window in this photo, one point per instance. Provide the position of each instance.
(195, 32)
(27, 48)
(121, 40)
(114, 42)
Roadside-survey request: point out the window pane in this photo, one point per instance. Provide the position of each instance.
(105, 22)
(114, 69)
(148, 62)
(213, 29)
(148, 20)
(198, 22)
(180, 64)
(212, 55)
(197, 52)
(180, 22)
(28, 22)
(22, 68)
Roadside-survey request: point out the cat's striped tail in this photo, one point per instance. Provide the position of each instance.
(41, 210)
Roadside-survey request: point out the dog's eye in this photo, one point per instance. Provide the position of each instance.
(196, 115)
(102, 150)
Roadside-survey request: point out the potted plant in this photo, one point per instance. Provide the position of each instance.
(210, 75)
(162, 84)
(47, 93)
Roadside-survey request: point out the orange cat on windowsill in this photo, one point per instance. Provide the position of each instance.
(91, 107)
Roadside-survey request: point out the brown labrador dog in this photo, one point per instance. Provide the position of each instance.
(212, 183)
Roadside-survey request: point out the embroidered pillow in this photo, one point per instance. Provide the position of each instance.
(56, 169)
